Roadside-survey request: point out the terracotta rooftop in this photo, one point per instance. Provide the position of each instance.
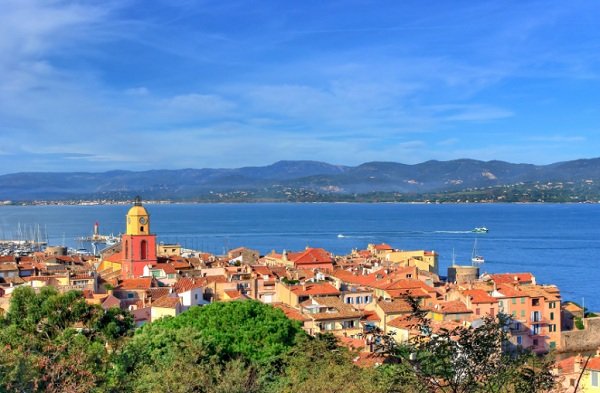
(506, 278)
(233, 294)
(394, 306)
(336, 309)
(479, 296)
(291, 312)
(320, 289)
(310, 256)
(166, 267)
(166, 302)
(185, 284)
(136, 283)
(382, 247)
(452, 307)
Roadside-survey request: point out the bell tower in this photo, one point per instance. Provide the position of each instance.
(138, 245)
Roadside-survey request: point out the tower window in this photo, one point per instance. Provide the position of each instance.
(142, 228)
(143, 249)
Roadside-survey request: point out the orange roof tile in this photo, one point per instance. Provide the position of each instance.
(290, 312)
(321, 289)
(136, 283)
(166, 267)
(166, 302)
(479, 296)
(186, 284)
(452, 307)
(382, 247)
(506, 278)
(594, 364)
(310, 256)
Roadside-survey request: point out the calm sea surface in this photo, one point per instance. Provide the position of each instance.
(558, 243)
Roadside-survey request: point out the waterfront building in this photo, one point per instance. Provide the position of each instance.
(137, 248)
(310, 258)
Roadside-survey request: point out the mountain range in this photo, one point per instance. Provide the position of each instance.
(312, 176)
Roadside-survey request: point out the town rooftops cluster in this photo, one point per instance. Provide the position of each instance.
(346, 295)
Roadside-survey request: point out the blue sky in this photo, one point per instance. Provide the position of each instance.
(94, 86)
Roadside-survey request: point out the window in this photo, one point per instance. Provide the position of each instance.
(535, 302)
(514, 314)
(552, 344)
(552, 305)
(195, 296)
(514, 300)
(130, 296)
(477, 311)
(522, 300)
(552, 316)
(348, 324)
(522, 313)
(141, 229)
(594, 377)
(519, 340)
(143, 249)
(551, 328)
(535, 342)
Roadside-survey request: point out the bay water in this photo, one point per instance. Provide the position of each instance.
(558, 243)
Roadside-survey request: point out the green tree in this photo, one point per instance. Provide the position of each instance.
(470, 359)
(56, 342)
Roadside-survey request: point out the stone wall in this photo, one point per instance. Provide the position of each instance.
(582, 340)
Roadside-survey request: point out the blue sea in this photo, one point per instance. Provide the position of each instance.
(558, 243)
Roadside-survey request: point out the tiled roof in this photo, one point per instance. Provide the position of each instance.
(186, 284)
(166, 267)
(506, 278)
(594, 364)
(342, 310)
(321, 289)
(233, 294)
(290, 312)
(394, 306)
(157, 293)
(310, 256)
(566, 365)
(382, 247)
(166, 302)
(261, 269)
(404, 322)
(8, 266)
(371, 316)
(452, 307)
(111, 301)
(479, 296)
(136, 283)
(141, 314)
(572, 307)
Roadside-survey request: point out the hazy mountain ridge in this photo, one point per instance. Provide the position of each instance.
(426, 177)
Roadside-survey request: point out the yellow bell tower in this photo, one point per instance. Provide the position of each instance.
(138, 219)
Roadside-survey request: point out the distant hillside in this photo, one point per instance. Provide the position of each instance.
(297, 178)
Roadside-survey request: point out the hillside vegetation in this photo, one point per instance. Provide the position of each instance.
(55, 342)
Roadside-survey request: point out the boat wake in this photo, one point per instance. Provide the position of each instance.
(452, 232)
